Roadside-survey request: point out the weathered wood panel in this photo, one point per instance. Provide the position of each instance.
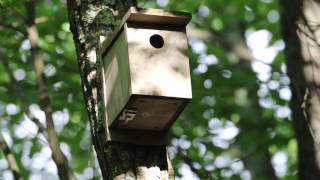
(159, 71)
(146, 76)
(153, 113)
(116, 77)
(158, 16)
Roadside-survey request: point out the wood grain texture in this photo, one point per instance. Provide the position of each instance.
(152, 82)
(140, 137)
(154, 113)
(159, 71)
(115, 159)
(158, 16)
(116, 75)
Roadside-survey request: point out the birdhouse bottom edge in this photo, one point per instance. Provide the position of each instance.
(151, 113)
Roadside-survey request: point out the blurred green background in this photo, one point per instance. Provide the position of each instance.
(237, 126)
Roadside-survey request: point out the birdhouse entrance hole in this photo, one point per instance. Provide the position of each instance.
(156, 41)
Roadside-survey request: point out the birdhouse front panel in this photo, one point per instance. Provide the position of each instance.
(158, 59)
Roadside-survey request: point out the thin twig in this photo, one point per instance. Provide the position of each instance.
(9, 26)
(13, 165)
(17, 13)
(190, 162)
(20, 93)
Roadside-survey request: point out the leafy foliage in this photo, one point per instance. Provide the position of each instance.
(238, 115)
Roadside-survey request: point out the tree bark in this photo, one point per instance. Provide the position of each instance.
(300, 21)
(90, 20)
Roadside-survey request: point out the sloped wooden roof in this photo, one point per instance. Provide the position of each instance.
(157, 16)
(147, 16)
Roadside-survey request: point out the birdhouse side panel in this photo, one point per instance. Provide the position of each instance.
(159, 63)
(116, 75)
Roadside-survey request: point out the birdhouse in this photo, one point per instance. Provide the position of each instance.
(146, 73)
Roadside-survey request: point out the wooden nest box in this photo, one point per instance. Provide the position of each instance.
(146, 72)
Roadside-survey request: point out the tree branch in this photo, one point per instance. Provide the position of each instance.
(190, 162)
(13, 165)
(239, 49)
(17, 13)
(14, 28)
(16, 87)
(45, 101)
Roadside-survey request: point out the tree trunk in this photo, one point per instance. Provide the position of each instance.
(90, 20)
(300, 29)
